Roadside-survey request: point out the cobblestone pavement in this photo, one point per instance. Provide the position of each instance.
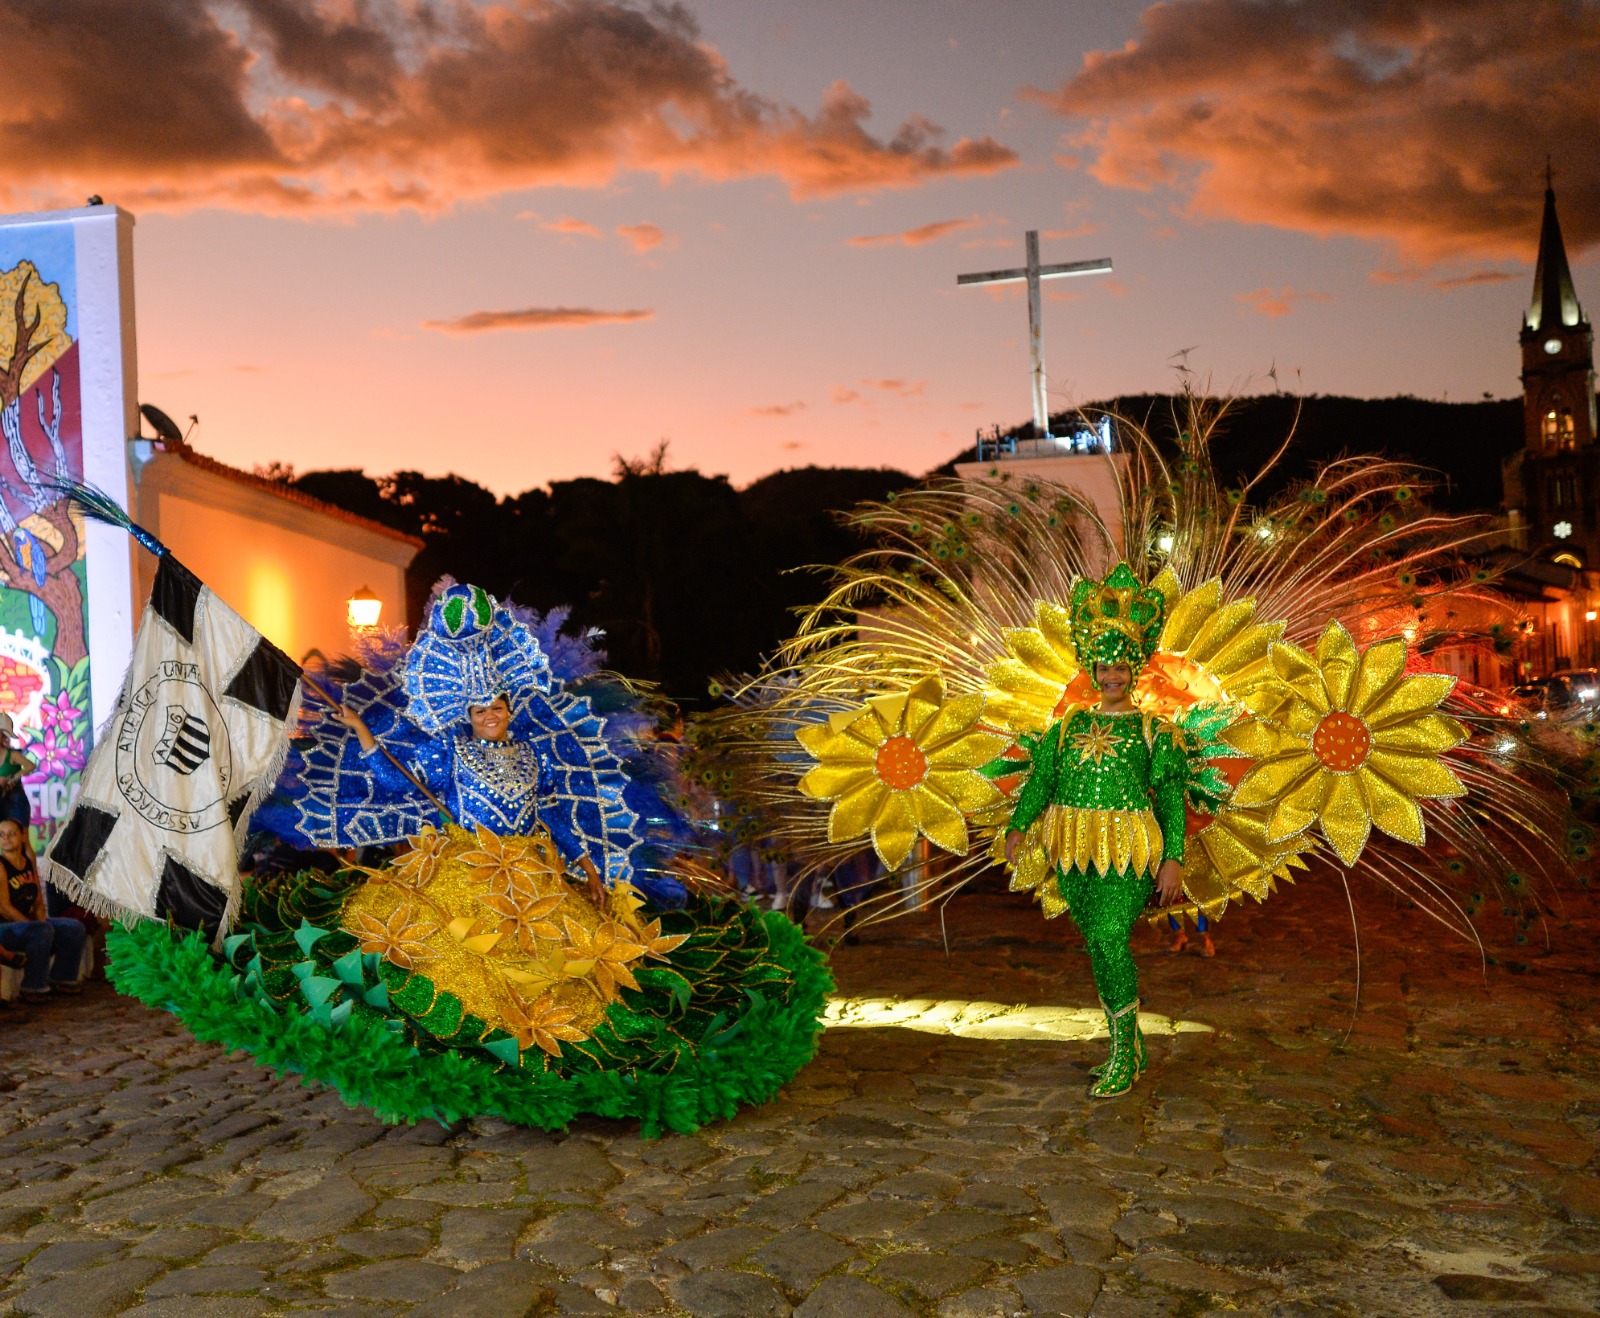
(1441, 1160)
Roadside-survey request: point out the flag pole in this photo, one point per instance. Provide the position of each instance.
(596, 884)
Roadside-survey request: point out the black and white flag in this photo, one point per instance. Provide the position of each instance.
(198, 738)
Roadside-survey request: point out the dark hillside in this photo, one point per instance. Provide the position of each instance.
(1464, 441)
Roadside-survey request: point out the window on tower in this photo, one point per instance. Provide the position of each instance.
(1561, 490)
(1556, 428)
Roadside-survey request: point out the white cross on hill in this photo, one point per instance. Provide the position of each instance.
(1033, 273)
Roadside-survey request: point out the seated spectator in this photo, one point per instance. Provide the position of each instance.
(54, 946)
(14, 765)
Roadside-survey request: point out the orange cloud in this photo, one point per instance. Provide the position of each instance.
(644, 237)
(480, 322)
(1423, 125)
(1476, 277)
(1076, 231)
(926, 233)
(778, 409)
(1279, 302)
(317, 106)
(1412, 274)
(894, 387)
(579, 228)
(900, 388)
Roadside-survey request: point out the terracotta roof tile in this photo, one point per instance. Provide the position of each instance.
(288, 492)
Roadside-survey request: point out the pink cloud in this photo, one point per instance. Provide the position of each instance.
(778, 409)
(578, 228)
(895, 388)
(1474, 278)
(481, 322)
(922, 234)
(1277, 302)
(1414, 274)
(1423, 125)
(304, 107)
(899, 388)
(644, 237)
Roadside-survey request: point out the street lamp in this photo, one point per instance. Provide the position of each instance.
(363, 609)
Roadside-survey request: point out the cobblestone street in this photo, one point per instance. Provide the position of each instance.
(1440, 1161)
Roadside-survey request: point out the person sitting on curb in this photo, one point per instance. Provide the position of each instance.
(54, 946)
(14, 766)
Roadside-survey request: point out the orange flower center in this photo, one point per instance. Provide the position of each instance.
(901, 763)
(1342, 742)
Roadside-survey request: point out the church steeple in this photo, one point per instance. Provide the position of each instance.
(1555, 300)
(1558, 401)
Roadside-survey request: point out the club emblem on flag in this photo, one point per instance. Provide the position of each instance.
(186, 744)
(170, 727)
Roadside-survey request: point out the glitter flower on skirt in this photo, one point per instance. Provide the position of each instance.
(1346, 740)
(902, 766)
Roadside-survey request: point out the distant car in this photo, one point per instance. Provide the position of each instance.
(1548, 695)
(1585, 682)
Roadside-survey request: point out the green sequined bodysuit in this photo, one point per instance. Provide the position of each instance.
(1104, 801)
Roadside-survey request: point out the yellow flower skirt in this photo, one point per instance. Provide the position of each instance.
(1106, 842)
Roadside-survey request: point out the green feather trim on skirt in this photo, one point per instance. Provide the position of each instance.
(356, 1047)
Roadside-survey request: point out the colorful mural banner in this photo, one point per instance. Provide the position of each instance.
(44, 627)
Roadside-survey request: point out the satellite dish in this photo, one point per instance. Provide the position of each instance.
(165, 427)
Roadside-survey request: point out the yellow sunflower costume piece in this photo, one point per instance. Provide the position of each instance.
(902, 767)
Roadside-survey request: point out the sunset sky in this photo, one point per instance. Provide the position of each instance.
(513, 240)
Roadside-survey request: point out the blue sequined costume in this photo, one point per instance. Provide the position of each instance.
(561, 768)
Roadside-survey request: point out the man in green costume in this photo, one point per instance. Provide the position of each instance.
(1104, 803)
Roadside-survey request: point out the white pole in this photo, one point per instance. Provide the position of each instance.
(1041, 411)
(104, 244)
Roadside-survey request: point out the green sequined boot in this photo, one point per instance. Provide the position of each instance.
(1122, 1067)
(1140, 1056)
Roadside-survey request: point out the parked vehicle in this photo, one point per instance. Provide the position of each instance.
(1585, 682)
(1555, 694)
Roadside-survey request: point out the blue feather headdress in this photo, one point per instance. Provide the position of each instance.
(471, 651)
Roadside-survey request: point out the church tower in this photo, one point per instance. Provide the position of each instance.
(1558, 403)
(1553, 482)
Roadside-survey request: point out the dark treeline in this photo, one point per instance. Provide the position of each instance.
(687, 576)
(690, 577)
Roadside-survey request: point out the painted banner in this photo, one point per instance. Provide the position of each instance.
(44, 626)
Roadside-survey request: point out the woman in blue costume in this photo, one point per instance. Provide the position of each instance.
(542, 943)
(474, 721)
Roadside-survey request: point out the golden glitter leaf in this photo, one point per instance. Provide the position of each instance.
(658, 944)
(397, 939)
(542, 1023)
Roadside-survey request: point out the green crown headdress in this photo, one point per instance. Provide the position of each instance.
(1116, 620)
